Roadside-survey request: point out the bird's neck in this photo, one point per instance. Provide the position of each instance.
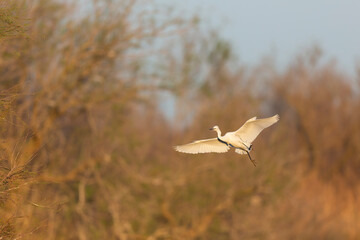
(218, 133)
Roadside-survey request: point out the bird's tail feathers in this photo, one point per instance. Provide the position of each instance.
(239, 151)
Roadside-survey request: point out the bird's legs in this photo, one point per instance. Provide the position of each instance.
(253, 161)
(248, 153)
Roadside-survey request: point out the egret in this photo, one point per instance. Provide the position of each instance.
(240, 139)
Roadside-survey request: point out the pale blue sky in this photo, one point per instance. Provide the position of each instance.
(282, 27)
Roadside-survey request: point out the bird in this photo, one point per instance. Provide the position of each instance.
(241, 139)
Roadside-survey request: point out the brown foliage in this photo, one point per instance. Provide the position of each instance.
(86, 152)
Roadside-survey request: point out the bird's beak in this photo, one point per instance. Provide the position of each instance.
(211, 129)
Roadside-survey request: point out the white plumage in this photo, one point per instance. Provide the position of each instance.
(241, 139)
(203, 146)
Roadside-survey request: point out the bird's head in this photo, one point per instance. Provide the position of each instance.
(214, 128)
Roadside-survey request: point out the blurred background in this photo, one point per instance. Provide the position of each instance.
(94, 94)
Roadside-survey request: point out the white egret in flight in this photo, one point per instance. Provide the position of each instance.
(241, 139)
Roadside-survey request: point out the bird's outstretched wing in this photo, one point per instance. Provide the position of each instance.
(253, 127)
(203, 146)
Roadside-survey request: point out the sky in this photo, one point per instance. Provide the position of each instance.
(283, 28)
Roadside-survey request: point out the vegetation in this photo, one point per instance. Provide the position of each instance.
(11, 23)
(86, 149)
